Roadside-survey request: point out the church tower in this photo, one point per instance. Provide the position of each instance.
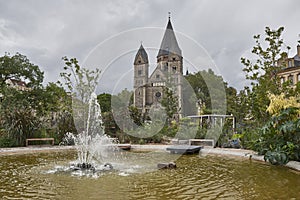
(169, 56)
(149, 90)
(170, 60)
(141, 74)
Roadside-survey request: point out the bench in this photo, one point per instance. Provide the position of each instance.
(202, 142)
(40, 139)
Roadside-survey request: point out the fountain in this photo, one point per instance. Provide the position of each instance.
(93, 146)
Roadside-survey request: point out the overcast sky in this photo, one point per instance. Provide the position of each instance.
(108, 33)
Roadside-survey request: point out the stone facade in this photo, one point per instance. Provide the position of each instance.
(291, 70)
(149, 90)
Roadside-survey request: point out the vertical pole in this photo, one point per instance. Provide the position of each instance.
(233, 123)
(221, 121)
(201, 121)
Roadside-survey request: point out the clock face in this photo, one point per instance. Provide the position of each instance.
(158, 94)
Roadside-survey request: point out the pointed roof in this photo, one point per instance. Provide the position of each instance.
(141, 52)
(169, 43)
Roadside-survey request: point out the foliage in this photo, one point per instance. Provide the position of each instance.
(136, 116)
(18, 67)
(105, 102)
(262, 72)
(109, 123)
(36, 112)
(276, 157)
(6, 141)
(81, 82)
(20, 110)
(170, 103)
(280, 102)
(111, 128)
(20, 122)
(206, 95)
(280, 135)
(187, 129)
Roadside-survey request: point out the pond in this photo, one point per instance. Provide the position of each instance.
(29, 176)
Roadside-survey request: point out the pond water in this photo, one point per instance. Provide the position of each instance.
(29, 176)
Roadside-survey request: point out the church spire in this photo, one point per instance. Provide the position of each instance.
(169, 43)
(141, 56)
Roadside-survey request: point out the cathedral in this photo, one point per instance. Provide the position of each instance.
(150, 89)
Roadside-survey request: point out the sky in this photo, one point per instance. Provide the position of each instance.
(107, 33)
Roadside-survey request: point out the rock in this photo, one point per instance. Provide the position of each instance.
(170, 165)
(83, 166)
(108, 166)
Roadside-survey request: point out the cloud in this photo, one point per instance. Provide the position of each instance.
(47, 30)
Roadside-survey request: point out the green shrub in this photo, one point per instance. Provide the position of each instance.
(276, 157)
(7, 142)
(279, 138)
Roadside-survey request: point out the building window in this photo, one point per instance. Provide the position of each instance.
(166, 67)
(291, 79)
(298, 77)
(290, 63)
(158, 94)
(139, 72)
(174, 59)
(157, 76)
(174, 68)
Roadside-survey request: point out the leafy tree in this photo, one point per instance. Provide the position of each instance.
(209, 90)
(105, 102)
(280, 102)
(110, 125)
(57, 110)
(18, 118)
(81, 83)
(170, 103)
(262, 72)
(279, 139)
(20, 68)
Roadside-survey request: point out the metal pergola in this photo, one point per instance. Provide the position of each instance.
(213, 119)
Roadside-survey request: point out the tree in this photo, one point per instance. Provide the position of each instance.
(170, 103)
(17, 118)
(20, 110)
(81, 83)
(280, 102)
(20, 68)
(209, 89)
(57, 110)
(262, 72)
(105, 102)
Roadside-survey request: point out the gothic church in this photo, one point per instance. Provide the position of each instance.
(149, 90)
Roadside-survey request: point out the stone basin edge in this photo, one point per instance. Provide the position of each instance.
(243, 153)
